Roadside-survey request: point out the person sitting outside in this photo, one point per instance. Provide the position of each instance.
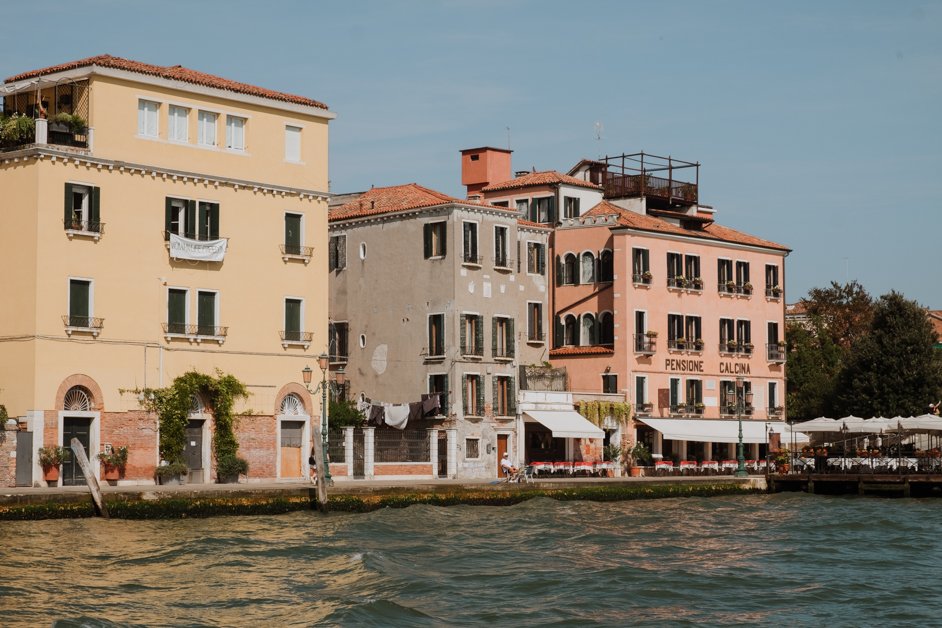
(509, 469)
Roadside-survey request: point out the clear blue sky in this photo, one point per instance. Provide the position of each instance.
(817, 123)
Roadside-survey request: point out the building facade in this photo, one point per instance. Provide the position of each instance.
(163, 220)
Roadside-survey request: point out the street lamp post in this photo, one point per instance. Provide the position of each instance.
(740, 403)
(323, 362)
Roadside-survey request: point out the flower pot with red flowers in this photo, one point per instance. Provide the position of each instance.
(113, 462)
(50, 459)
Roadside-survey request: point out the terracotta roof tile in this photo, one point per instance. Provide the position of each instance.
(547, 177)
(175, 73)
(399, 198)
(712, 231)
(593, 350)
(533, 225)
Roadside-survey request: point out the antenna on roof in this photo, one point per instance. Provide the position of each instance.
(598, 137)
(508, 137)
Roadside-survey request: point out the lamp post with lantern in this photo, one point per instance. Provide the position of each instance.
(323, 362)
(741, 399)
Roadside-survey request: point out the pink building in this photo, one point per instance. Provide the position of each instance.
(656, 303)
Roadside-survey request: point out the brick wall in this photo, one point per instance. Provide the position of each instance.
(256, 435)
(397, 468)
(138, 431)
(338, 469)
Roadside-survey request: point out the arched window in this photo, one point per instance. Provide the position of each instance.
(292, 405)
(196, 406)
(570, 330)
(606, 266)
(570, 270)
(588, 268)
(606, 328)
(589, 332)
(77, 399)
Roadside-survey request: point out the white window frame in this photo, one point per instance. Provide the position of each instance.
(173, 127)
(506, 251)
(643, 378)
(537, 243)
(86, 190)
(231, 143)
(187, 314)
(542, 337)
(526, 209)
(91, 294)
(428, 337)
(472, 438)
(202, 125)
(290, 157)
(145, 117)
(472, 260)
(217, 308)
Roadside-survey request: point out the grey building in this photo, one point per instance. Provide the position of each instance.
(430, 293)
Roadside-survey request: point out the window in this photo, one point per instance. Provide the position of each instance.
(472, 335)
(500, 203)
(641, 390)
(569, 270)
(177, 127)
(742, 277)
(500, 247)
(536, 258)
(434, 236)
(177, 310)
(535, 322)
(570, 207)
(523, 206)
(606, 328)
(436, 335)
(675, 270)
(504, 396)
(470, 240)
(606, 266)
(293, 234)
(337, 252)
(728, 397)
(293, 318)
(543, 210)
(675, 394)
(609, 383)
(438, 383)
(362, 250)
(724, 276)
(588, 268)
(695, 395)
(206, 314)
(693, 330)
(772, 287)
(80, 303)
(744, 336)
(775, 349)
(589, 331)
(473, 395)
(773, 397)
(644, 343)
(675, 332)
(293, 144)
(187, 218)
(235, 133)
(206, 128)
(472, 448)
(727, 335)
(570, 330)
(640, 266)
(82, 204)
(502, 337)
(147, 118)
(692, 271)
(338, 336)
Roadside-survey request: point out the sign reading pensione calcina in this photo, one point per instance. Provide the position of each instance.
(696, 366)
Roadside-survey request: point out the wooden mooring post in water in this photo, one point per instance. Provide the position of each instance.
(79, 450)
(321, 468)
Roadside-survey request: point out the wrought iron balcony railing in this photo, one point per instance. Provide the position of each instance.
(90, 324)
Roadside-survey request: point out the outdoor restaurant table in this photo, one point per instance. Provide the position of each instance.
(601, 467)
(688, 465)
(712, 465)
(664, 465)
(730, 465)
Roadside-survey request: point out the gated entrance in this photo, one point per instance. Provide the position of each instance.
(442, 454)
(359, 458)
(193, 450)
(24, 458)
(80, 428)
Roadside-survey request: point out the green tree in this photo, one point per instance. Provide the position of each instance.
(844, 311)
(814, 361)
(893, 369)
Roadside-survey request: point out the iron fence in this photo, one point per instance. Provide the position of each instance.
(392, 445)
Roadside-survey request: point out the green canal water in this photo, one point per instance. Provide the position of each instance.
(789, 559)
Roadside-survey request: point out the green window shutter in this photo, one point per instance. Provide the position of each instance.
(558, 332)
(510, 337)
(479, 410)
(67, 217)
(427, 238)
(202, 213)
(479, 335)
(444, 234)
(541, 252)
(464, 334)
(176, 311)
(494, 337)
(292, 317)
(78, 300)
(168, 217)
(444, 396)
(494, 397)
(214, 221)
(206, 313)
(342, 251)
(190, 227)
(559, 270)
(551, 210)
(464, 395)
(332, 253)
(293, 233)
(511, 396)
(94, 211)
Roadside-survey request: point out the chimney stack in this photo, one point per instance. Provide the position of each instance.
(482, 166)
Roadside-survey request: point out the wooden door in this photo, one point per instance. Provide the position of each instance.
(291, 433)
(193, 449)
(501, 450)
(80, 428)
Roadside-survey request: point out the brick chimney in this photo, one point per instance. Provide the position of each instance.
(483, 166)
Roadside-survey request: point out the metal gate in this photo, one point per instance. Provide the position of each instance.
(24, 458)
(442, 454)
(359, 458)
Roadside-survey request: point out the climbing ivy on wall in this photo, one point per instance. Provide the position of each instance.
(597, 411)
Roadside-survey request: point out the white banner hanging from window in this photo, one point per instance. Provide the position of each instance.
(205, 251)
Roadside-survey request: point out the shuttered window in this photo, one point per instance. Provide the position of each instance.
(187, 218)
(82, 208)
(337, 252)
(147, 118)
(206, 128)
(79, 302)
(436, 335)
(536, 258)
(293, 234)
(176, 311)
(502, 337)
(434, 239)
(293, 143)
(439, 384)
(206, 313)
(293, 319)
(504, 396)
(235, 133)
(470, 231)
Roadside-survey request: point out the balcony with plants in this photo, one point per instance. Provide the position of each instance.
(37, 113)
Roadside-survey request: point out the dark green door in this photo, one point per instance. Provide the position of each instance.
(176, 311)
(206, 316)
(80, 428)
(292, 234)
(78, 302)
(292, 319)
(193, 448)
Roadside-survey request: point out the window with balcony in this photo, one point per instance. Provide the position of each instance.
(501, 257)
(535, 322)
(744, 336)
(645, 341)
(675, 271)
(294, 248)
(609, 383)
(641, 394)
(177, 318)
(81, 316)
(694, 396)
(235, 133)
(570, 207)
(774, 408)
(728, 336)
(640, 266)
(692, 272)
(693, 330)
(676, 402)
(588, 268)
(725, 280)
(438, 383)
(473, 395)
(472, 335)
(337, 252)
(338, 342)
(675, 332)
(434, 235)
(536, 258)
(82, 209)
(178, 124)
(502, 338)
(293, 144)
(294, 333)
(206, 128)
(505, 396)
(436, 335)
(742, 277)
(207, 313)
(775, 346)
(773, 289)
(470, 241)
(606, 266)
(147, 112)
(191, 219)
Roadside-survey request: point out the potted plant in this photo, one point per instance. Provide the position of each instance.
(639, 456)
(783, 460)
(651, 333)
(229, 469)
(697, 283)
(113, 462)
(172, 472)
(747, 288)
(613, 453)
(680, 281)
(698, 344)
(776, 290)
(679, 342)
(646, 276)
(698, 407)
(49, 459)
(731, 286)
(68, 123)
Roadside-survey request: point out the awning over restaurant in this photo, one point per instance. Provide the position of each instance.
(710, 431)
(565, 423)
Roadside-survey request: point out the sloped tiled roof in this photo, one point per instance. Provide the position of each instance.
(712, 231)
(174, 73)
(547, 177)
(592, 350)
(399, 198)
(533, 225)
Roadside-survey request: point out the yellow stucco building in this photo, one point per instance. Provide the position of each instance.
(157, 220)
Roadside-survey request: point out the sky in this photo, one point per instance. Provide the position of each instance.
(817, 124)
